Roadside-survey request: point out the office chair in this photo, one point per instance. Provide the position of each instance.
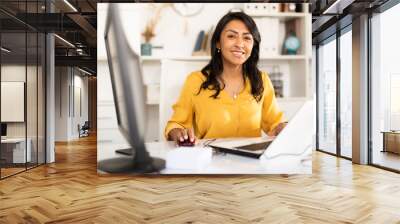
(84, 130)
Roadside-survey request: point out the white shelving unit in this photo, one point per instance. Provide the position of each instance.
(206, 58)
(295, 68)
(152, 71)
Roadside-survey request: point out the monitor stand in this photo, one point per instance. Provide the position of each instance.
(130, 164)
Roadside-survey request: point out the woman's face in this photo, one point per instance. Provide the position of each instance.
(236, 43)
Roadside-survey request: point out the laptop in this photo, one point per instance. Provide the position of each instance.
(251, 147)
(297, 134)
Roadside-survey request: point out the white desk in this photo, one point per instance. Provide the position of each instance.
(221, 163)
(18, 149)
(289, 153)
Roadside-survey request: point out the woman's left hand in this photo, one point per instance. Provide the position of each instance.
(278, 129)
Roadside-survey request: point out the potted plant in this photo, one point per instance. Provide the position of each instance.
(148, 34)
(149, 31)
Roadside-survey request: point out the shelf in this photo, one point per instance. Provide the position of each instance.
(283, 57)
(150, 58)
(206, 58)
(284, 15)
(291, 99)
(153, 102)
(189, 58)
(280, 99)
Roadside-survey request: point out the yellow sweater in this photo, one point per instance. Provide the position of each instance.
(224, 117)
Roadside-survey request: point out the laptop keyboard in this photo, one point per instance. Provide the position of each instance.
(255, 146)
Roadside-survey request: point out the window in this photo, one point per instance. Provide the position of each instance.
(327, 97)
(22, 75)
(346, 93)
(385, 89)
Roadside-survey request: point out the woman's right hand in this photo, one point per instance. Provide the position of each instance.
(181, 134)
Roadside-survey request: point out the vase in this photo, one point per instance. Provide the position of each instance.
(145, 49)
(291, 44)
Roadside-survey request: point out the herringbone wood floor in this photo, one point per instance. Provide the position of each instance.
(70, 191)
(10, 171)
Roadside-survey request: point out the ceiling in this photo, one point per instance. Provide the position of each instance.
(333, 15)
(75, 23)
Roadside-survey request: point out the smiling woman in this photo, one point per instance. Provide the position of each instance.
(236, 43)
(230, 96)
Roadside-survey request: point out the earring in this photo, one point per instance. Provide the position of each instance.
(218, 50)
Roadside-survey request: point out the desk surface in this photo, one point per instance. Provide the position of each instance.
(223, 163)
(13, 140)
(391, 132)
(289, 153)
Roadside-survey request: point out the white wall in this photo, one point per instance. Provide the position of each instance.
(33, 126)
(14, 73)
(61, 103)
(68, 80)
(80, 82)
(174, 39)
(13, 101)
(178, 41)
(132, 14)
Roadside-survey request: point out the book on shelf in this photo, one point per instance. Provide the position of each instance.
(277, 81)
(203, 43)
(199, 41)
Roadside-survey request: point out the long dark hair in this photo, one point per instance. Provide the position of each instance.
(215, 67)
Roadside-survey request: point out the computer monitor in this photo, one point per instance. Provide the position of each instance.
(129, 99)
(3, 130)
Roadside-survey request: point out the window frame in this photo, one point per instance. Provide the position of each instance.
(334, 37)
